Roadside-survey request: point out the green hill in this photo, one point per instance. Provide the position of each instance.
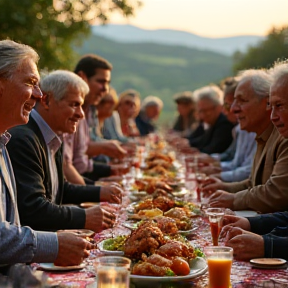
(160, 70)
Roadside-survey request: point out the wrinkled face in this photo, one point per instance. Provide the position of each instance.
(152, 112)
(279, 107)
(184, 108)
(128, 107)
(65, 114)
(18, 95)
(227, 111)
(98, 85)
(106, 107)
(208, 112)
(248, 108)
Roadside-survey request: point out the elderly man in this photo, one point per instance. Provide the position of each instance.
(267, 189)
(150, 110)
(242, 149)
(218, 136)
(19, 90)
(36, 155)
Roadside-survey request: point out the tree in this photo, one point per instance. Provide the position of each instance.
(52, 28)
(273, 48)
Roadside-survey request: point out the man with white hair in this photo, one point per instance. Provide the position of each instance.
(150, 111)
(267, 188)
(270, 232)
(218, 136)
(19, 91)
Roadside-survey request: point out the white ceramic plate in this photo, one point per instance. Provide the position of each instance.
(268, 261)
(188, 231)
(108, 252)
(246, 213)
(132, 225)
(180, 193)
(52, 267)
(198, 267)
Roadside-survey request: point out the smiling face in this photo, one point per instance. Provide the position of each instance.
(98, 85)
(18, 95)
(65, 113)
(279, 107)
(249, 109)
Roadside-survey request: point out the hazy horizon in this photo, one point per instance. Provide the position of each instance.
(224, 18)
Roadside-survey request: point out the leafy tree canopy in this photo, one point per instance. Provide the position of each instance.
(53, 27)
(273, 48)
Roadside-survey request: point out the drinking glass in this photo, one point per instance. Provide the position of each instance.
(112, 271)
(219, 260)
(215, 216)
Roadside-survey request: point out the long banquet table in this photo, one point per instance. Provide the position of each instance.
(242, 274)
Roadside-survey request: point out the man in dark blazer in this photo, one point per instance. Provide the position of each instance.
(217, 137)
(36, 155)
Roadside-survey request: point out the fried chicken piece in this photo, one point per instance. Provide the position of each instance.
(159, 260)
(175, 248)
(176, 212)
(156, 155)
(145, 239)
(167, 225)
(148, 269)
(157, 170)
(163, 203)
(144, 205)
(159, 192)
(158, 162)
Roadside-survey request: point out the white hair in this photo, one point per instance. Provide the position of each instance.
(279, 71)
(12, 55)
(58, 82)
(151, 101)
(211, 92)
(260, 81)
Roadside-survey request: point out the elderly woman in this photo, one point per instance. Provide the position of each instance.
(128, 108)
(150, 111)
(186, 121)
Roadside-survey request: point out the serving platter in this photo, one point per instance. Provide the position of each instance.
(198, 266)
(100, 246)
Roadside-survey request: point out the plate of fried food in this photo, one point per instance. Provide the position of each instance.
(156, 257)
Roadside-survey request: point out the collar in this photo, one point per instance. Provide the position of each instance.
(263, 138)
(4, 138)
(52, 140)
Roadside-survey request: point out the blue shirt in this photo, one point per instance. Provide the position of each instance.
(239, 168)
(19, 244)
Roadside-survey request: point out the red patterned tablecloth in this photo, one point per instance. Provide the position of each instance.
(242, 274)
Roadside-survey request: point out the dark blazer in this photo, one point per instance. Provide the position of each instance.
(216, 139)
(29, 157)
(144, 126)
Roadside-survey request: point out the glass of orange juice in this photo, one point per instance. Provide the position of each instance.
(215, 219)
(219, 260)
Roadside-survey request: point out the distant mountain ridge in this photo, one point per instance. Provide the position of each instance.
(133, 34)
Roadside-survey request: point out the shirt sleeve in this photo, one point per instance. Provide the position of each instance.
(23, 245)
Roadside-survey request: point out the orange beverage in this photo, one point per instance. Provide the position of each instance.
(219, 260)
(219, 272)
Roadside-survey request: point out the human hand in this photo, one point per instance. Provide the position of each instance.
(246, 245)
(111, 193)
(113, 149)
(72, 249)
(212, 184)
(99, 218)
(234, 221)
(222, 199)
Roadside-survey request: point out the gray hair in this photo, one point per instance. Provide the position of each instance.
(58, 81)
(260, 81)
(212, 93)
(279, 71)
(151, 101)
(12, 55)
